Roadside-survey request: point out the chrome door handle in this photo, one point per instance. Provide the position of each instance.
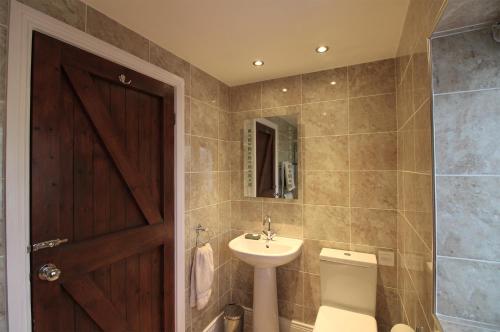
(49, 272)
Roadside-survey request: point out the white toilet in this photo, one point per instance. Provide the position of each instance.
(348, 292)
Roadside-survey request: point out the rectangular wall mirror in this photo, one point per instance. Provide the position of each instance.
(270, 155)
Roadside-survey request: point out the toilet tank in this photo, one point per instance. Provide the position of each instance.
(348, 280)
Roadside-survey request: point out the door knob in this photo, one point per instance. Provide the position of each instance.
(49, 272)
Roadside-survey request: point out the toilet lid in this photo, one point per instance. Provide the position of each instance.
(331, 319)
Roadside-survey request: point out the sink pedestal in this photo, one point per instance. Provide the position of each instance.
(265, 257)
(265, 300)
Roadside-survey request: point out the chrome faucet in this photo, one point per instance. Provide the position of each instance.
(269, 233)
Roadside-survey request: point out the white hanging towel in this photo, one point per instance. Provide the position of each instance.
(202, 276)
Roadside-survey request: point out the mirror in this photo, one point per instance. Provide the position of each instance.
(271, 157)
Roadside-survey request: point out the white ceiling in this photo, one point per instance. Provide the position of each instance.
(223, 37)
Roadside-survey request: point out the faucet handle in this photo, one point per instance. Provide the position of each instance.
(270, 234)
(267, 219)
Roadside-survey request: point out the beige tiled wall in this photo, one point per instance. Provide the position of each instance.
(207, 141)
(415, 166)
(4, 19)
(466, 122)
(347, 179)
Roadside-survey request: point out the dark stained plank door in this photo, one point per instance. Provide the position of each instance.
(102, 177)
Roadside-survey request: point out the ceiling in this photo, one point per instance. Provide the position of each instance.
(223, 37)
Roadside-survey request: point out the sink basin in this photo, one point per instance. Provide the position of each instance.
(280, 251)
(265, 256)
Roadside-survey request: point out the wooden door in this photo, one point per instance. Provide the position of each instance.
(102, 177)
(265, 151)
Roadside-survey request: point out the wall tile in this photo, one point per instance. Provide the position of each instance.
(462, 13)
(290, 286)
(323, 222)
(406, 148)
(472, 55)
(237, 185)
(469, 209)
(286, 218)
(187, 115)
(318, 86)
(207, 217)
(290, 311)
(223, 97)
(204, 154)
(282, 111)
(237, 123)
(224, 125)
(400, 190)
(310, 315)
(71, 12)
(204, 87)
(312, 290)
(172, 63)
(242, 275)
(387, 311)
(417, 191)
(224, 186)
(187, 196)
(104, 28)
(415, 214)
(404, 100)
(187, 153)
(371, 78)
(274, 96)
(327, 188)
(423, 139)
(246, 97)
(3, 66)
(421, 74)
(325, 118)
(312, 249)
(225, 278)
(203, 318)
(373, 151)
(466, 133)
(225, 216)
(246, 215)
(224, 155)
(203, 189)
(465, 290)
(327, 153)
(372, 114)
(373, 227)
(4, 12)
(457, 327)
(386, 275)
(235, 156)
(204, 120)
(375, 189)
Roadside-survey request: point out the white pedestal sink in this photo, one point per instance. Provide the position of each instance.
(265, 260)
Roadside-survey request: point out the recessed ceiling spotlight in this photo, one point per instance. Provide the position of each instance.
(322, 49)
(333, 82)
(258, 63)
(284, 89)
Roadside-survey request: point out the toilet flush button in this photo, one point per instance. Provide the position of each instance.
(385, 257)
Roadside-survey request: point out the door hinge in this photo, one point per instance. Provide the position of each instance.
(46, 244)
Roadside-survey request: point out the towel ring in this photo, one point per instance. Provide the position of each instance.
(199, 229)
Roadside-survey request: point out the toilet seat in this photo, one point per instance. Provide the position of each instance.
(331, 319)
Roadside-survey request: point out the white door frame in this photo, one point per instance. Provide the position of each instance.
(23, 21)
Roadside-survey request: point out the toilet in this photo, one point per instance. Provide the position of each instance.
(348, 292)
